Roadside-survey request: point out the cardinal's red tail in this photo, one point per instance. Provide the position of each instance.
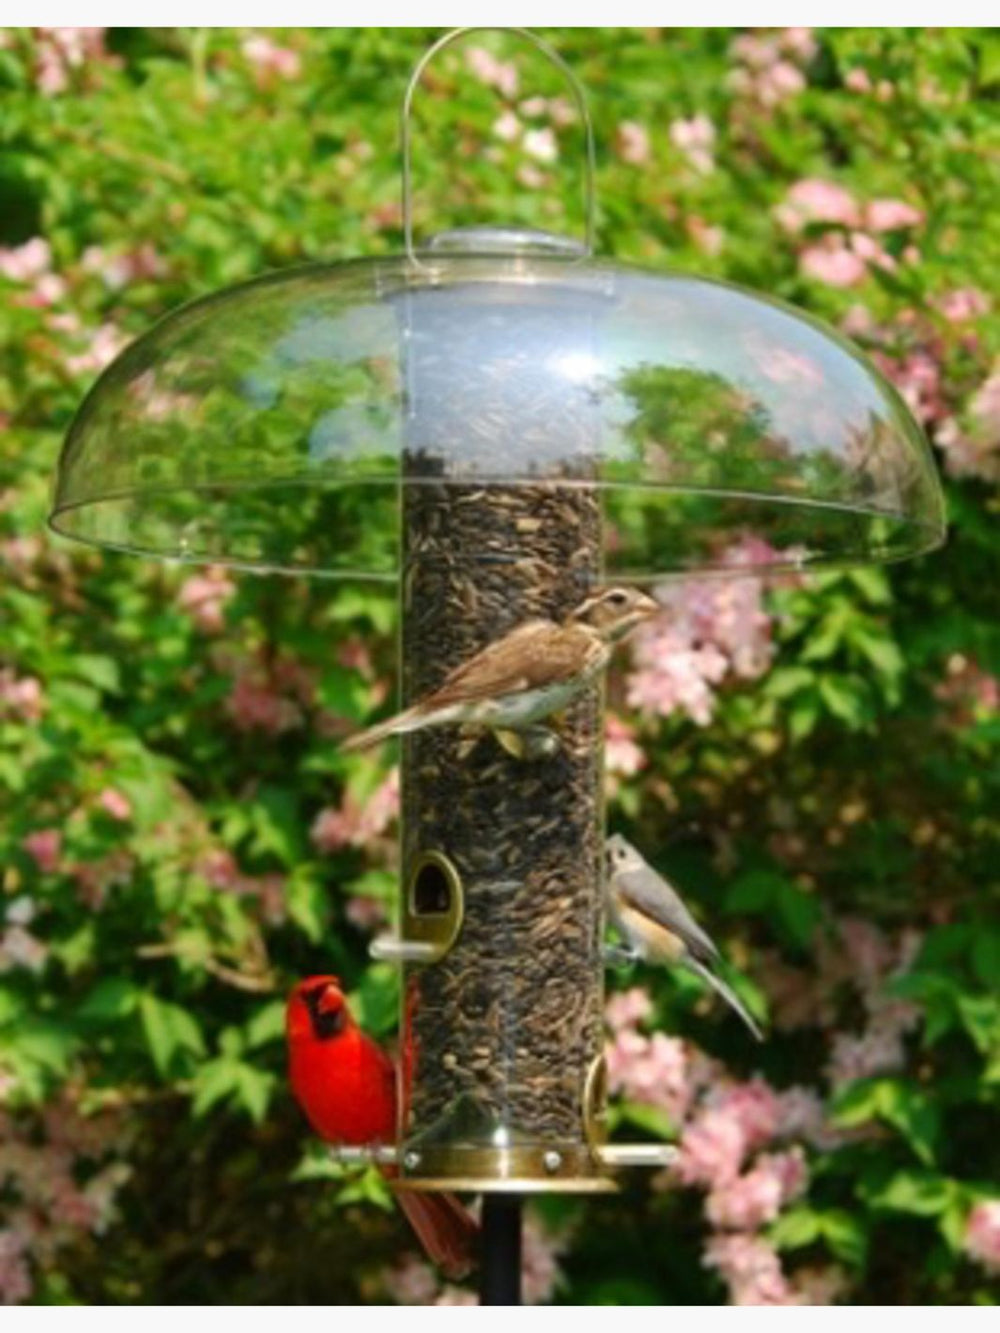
(445, 1228)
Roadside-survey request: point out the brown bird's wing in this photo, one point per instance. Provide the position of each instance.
(536, 654)
(651, 895)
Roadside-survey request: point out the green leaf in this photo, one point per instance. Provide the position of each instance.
(922, 1193)
(650, 1119)
(308, 904)
(102, 672)
(170, 1030)
(797, 1227)
(110, 1001)
(898, 1103)
(375, 1004)
(915, 1116)
(266, 1025)
(981, 1019)
(843, 699)
(254, 1088)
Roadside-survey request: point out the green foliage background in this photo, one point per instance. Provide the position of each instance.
(161, 995)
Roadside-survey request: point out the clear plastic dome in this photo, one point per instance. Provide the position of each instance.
(276, 425)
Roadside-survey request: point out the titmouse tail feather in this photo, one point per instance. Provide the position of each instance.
(720, 988)
(445, 1228)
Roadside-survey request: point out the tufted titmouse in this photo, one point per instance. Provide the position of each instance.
(650, 916)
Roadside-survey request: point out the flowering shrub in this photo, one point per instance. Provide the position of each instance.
(813, 761)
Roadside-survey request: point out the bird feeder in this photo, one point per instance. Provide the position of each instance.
(496, 423)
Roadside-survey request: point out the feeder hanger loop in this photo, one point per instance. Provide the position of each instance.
(579, 98)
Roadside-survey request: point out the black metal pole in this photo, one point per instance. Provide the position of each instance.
(500, 1266)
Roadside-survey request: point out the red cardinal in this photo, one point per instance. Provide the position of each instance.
(346, 1085)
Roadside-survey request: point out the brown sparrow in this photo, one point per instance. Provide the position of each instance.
(650, 916)
(532, 672)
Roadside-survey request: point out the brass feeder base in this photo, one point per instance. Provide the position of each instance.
(552, 1170)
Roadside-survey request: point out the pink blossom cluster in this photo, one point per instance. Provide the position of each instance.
(973, 450)
(30, 265)
(59, 51)
(695, 139)
(967, 691)
(498, 74)
(982, 1235)
(118, 270)
(912, 352)
(267, 695)
(411, 1281)
(623, 756)
(219, 868)
(18, 946)
(21, 697)
(709, 629)
(269, 60)
(742, 1142)
(847, 250)
(355, 823)
(204, 596)
(46, 1205)
(769, 66)
(632, 143)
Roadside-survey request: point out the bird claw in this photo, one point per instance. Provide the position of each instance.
(532, 743)
(618, 955)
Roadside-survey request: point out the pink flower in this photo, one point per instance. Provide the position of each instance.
(365, 913)
(712, 1149)
(26, 262)
(833, 264)
(45, 848)
(633, 143)
(105, 344)
(747, 1202)
(627, 1009)
(15, 1277)
(541, 144)
(892, 215)
(871, 252)
(708, 239)
(19, 948)
(254, 704)
(695, 139)
(750, 1268)
(963, 304)
(410, 1282)
(651, 1070)
(982, 1235)
(779, 82)
(60, 50)
(857, 80)
(819, 1286)
(621, 754)
(817, 201)
(356, 825)
(204, 597)
(116, 805)
(755, 1107)
(798, 42)
(507, 126)
(268, 58)
(20, 698)
(119, 270)
(456, 1296)
(540, 1251)
(494, 73)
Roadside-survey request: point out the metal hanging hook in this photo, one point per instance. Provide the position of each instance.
(579, 98)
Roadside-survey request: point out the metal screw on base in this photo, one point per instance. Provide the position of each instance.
(500, 1266)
